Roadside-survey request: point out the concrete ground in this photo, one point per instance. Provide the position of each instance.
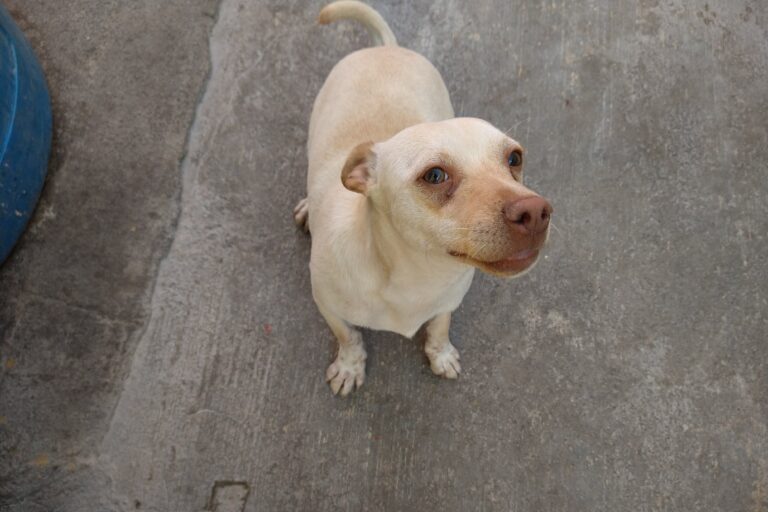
(160, 348)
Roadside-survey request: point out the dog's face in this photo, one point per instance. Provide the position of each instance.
(455, 188)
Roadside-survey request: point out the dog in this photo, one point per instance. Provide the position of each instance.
(404, 201)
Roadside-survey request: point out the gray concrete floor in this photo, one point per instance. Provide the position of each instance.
(157, 333)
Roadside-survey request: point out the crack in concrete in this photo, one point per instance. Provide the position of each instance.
(82, 308)
(184, 164)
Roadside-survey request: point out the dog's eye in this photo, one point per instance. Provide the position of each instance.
(435, 176)
(515, 158)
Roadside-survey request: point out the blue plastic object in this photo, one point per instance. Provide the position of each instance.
(25, 132)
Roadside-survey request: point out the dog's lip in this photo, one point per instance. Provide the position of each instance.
(516, 262)
(521, 255)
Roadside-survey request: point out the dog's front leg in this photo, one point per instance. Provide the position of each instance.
(347, 372)
(443, 356)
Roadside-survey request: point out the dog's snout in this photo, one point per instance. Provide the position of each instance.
(529, 215)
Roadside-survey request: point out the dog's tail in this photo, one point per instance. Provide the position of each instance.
(349, 9)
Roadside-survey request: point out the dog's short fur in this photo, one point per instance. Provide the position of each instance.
(392, 250)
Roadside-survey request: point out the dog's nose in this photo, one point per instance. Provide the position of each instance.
(529, 216)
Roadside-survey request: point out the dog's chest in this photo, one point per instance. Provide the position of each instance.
(404, 306)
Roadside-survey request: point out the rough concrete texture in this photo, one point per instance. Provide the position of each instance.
(160, 347)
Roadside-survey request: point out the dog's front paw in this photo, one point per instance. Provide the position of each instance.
(347, 372)
(445, 362)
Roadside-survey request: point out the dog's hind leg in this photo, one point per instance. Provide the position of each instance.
(301, 214)
(347, 372)
(443, 356)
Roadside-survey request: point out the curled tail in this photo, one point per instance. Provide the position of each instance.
(349, 9)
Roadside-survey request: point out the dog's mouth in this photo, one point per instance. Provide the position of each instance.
(511, 265)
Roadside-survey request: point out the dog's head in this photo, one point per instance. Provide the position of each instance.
(455, 188)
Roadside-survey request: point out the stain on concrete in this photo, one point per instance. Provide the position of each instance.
(228, 496)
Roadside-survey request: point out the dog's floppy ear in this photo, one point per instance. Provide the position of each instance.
(357, 174)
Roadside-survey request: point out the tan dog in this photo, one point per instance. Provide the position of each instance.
(404, 201)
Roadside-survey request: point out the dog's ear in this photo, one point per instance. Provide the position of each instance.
(357, 174)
